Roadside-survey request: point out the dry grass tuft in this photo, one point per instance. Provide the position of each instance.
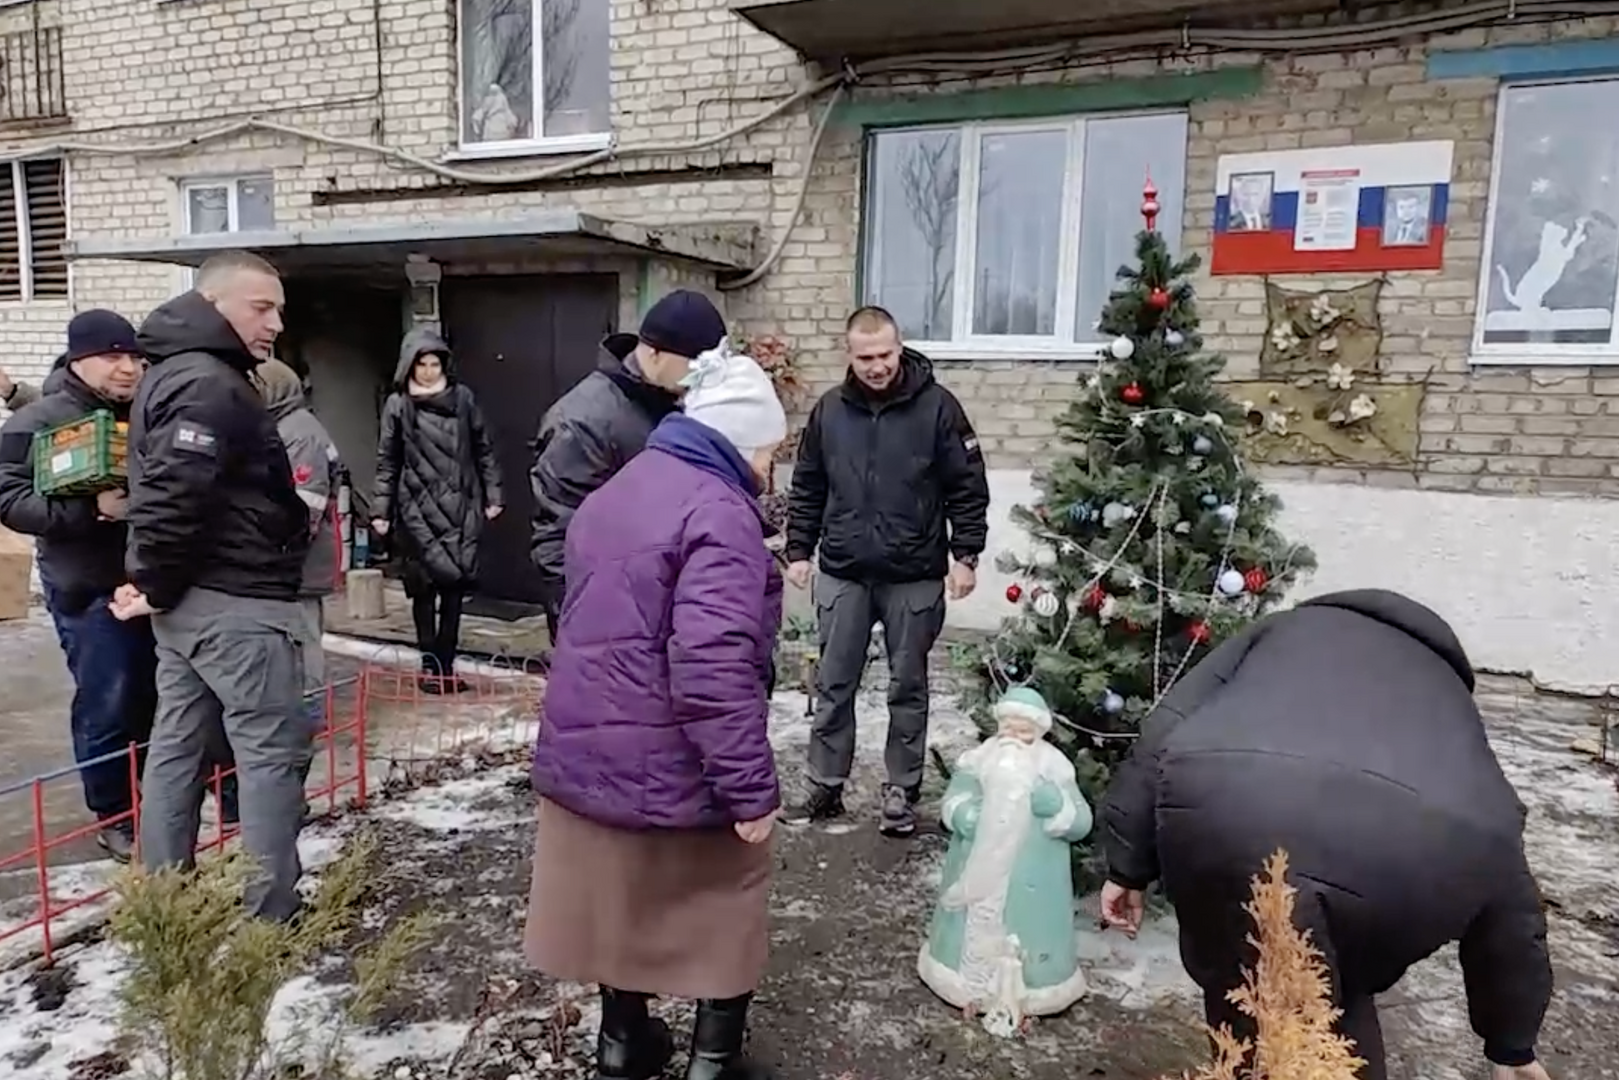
(203, 974)
(1288, 995)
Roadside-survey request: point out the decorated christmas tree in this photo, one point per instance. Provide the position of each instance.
(1150, 541)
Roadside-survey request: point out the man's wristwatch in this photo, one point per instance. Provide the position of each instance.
(969, 561)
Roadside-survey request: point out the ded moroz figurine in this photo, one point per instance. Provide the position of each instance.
(1002, 941)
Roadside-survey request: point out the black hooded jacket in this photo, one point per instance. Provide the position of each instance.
(588, 435)
(436, 472)
(81, 556)
(1345, 732)
(879, 477)
(212, 503)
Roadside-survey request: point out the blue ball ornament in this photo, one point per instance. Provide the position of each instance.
(1202, 446)
(1209, 500)
(1112, 703)
(1081, 513)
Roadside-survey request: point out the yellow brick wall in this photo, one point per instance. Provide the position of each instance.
(685, 70)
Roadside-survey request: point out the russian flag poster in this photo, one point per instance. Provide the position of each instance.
(1356, 208)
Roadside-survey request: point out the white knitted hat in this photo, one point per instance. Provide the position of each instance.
(732, 394)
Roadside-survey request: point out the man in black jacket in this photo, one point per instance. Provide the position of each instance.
(81, 563)
(1343, 731)
(598, 425)
(889, 484)
(217, 540)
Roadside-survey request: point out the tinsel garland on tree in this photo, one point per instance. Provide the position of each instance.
(1150, 543)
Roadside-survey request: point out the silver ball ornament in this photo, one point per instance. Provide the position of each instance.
(1112, 703)
(1226, 513)
(1203, 446)
(1122, 348)
(1230, 583)
(1045, 604)
(1174, 338)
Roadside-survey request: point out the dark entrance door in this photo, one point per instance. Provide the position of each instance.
(520, 343)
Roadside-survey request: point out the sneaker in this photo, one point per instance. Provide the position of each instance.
(823, 803)
(899, 810)
(118, 841)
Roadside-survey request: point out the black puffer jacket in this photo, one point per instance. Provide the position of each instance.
(888, 485)
(81, 556)
(1345, 732)
(436, 473)
(586, 437)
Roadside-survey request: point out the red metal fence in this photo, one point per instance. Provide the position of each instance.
(62, 883)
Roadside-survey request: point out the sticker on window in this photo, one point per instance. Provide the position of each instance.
(197, 439)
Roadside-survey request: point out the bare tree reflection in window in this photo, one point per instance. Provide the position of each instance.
(497, 69)
(930, 177)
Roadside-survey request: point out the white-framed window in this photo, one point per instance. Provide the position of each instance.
(535, 75)
(33, 230)
(228, 204)
(1004, 239)
(1549, 281)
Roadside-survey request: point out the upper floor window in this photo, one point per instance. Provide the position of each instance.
(229, 204)
(534, 74)
(1005, 239)
(1550, 279)
(33, 230)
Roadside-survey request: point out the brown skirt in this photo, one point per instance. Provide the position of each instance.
(673, 912)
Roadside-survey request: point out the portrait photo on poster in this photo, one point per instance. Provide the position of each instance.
(1248, 204)
(1407, 213)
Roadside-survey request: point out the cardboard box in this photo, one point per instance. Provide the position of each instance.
(16, 570)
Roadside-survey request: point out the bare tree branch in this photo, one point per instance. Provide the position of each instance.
(930, 180)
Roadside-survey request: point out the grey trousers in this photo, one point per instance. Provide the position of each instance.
(912, 615)
(233, 664)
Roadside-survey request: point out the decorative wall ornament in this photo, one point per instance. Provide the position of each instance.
(1310, 330)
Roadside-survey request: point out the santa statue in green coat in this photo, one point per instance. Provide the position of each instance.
(1002, 942)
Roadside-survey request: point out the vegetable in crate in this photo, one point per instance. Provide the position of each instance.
(83, 457)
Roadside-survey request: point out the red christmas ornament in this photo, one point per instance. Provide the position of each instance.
(1199, 632)
(1158, 298)
(1255, 580)
(1132, 394)
(1014, 593)
(1149, 203)
(1095, 597)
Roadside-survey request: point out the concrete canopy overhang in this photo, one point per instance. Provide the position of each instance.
(831, 31)
(561, 234)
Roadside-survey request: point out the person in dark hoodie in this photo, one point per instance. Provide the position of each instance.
(890, 486)
(217, 542)
(438, 483)
(81, 542)
(604, 421)
(1343, 731)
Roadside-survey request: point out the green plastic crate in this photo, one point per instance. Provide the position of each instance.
(84, 457)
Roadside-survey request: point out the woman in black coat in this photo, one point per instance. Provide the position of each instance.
(437, 484)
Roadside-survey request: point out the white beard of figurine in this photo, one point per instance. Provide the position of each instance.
(1007, 770)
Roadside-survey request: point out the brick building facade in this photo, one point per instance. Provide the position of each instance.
(316, 126)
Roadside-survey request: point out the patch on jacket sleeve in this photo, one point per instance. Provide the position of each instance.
(195, 438)
(970, 443)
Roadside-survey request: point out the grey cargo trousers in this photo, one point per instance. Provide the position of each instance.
(912, 614)
(231, 663)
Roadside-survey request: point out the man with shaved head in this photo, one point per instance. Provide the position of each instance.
(217, 540)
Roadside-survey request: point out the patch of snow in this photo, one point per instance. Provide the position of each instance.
(306, 1017)
(1134, 974)
(84, 1026)
(479, 802)
(950, 730)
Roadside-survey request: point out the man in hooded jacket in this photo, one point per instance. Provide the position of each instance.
(1343, 731)
(217, 542)
(81, 540)
(604, 421)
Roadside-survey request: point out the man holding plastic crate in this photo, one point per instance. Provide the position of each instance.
(81, 540)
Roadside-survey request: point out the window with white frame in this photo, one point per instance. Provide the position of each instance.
(1005, 239)
(535, 74)
(1550, 274)
(229, 204)
(33, 230)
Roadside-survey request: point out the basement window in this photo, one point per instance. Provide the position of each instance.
(33, 231)
(1549, 284)
(990, 239)
(535, 76)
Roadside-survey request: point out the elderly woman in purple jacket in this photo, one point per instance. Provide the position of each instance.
(658, 787)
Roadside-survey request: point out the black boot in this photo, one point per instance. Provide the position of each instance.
(716, 1041)
(631, 1045)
